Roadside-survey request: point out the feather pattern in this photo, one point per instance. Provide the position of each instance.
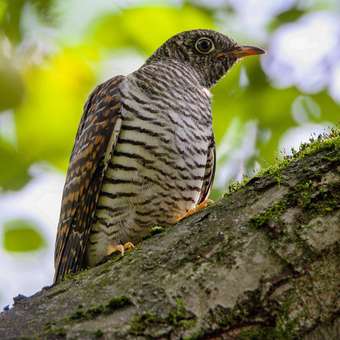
(89, 159)
(209, 175)
(144, 152)
(163, 163)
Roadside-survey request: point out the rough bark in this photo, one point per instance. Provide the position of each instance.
(261, 263)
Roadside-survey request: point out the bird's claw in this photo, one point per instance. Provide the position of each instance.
(113, 248)
(196, 209)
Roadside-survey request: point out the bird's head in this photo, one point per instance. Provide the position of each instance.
(211, 54)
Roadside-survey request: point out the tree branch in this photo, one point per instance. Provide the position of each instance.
(261, 263)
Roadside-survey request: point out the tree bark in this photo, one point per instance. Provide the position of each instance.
(261, 263)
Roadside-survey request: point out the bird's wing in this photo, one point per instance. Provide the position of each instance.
(209, 172)
(95, 140)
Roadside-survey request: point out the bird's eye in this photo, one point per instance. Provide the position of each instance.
(204, 45)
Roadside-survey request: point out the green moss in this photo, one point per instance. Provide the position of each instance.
(323, 142)
(154, 231)
(324, 200)
(77, 315)
(178, 317)
(271, 214)
(313, 199)
(157, 230)
(302, 194)
(98, 333)
(140, 323)
(52, 329)
(266, 333)
(187, 324)
(75, 276)
(236, 186)
(195, 336)
(93, 312)
(118, 302)
(275, 324)
(282, 329)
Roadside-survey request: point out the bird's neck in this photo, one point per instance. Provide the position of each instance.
(174, 72)
(174, 87)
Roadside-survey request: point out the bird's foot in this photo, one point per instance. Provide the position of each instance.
(196, 209)
(113, 248)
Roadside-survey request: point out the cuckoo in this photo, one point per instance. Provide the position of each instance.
(144, 153)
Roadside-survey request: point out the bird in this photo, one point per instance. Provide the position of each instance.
(144, 153)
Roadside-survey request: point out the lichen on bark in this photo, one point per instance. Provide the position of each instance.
(261, 263)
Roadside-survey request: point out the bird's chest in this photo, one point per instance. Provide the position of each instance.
(170, 131)
(158, 165)
(176, 120)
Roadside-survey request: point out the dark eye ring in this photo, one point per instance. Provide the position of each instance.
(204, 45)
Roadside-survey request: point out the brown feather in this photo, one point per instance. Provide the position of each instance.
(209, 172)
(88, 163)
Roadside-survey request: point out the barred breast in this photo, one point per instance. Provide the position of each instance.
(157, 168)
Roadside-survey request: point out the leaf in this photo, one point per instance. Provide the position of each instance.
(291, 15)
(47, 120)
(13, 168)
(22, 236)
(11, 85)
(3, 8)
(12, 11)
(270, 107)
(148, 27)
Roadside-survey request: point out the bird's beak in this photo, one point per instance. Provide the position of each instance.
(240, 52)
(246, 51)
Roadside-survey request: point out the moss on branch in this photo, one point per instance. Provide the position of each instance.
(261, 263)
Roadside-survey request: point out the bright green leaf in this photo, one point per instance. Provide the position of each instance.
(12, 12)
(291, 15)
(13, 168)
(148, 27)
(11, 85)
(22, 236)
(47, 121)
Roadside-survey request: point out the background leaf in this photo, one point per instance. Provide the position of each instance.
(13, 169)
(11, 85)
(22, 236)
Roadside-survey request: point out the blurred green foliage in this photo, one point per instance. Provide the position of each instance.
(11, 12)
(44, 84)
(21, 236)
(291, 15)
(13, 169)
(133, 28)
(11, 85)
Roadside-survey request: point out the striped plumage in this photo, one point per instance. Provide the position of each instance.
(144, 153)
(159, 164)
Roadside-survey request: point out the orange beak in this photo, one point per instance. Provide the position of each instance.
(245, 51)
